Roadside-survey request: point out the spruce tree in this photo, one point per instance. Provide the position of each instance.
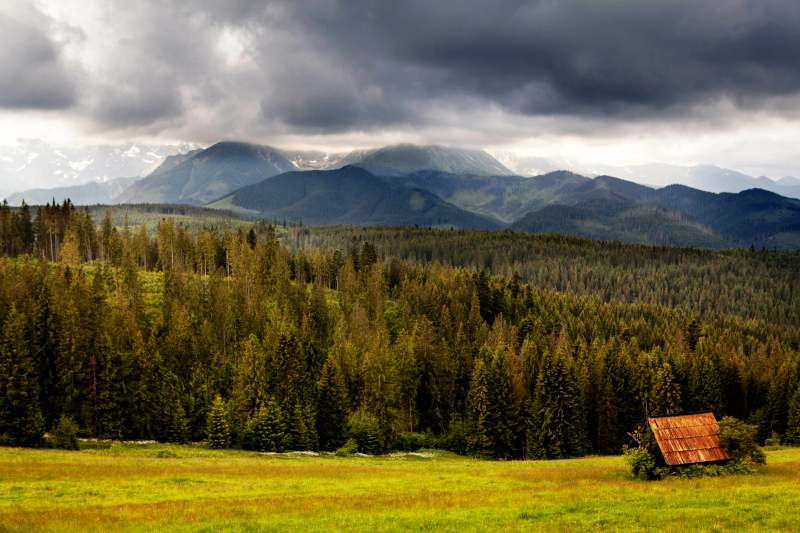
(298, 436)
(331, 408)
(218, 433)
(500, 415)
(478, 442)
(609, 430)
(706, 386)
(178, 430)
(21, 421)
(793, 422)
(666, 397)
(269, 429)
(555, 428)
(309, 417)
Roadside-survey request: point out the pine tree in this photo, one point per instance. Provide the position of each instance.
(555, 427)
(269, 429)
(298, 436)
(178, 430)
(666, 397)
(218, 433)
(309, 417)
(609, 430)
(353, 253)
(693, 334)
(21, 421)
(793, 422)
(478, 442)
(331, 408)
(500, 416)
(705, 385)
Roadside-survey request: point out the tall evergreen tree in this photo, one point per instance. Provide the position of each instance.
(793, 422)
(555, 429)
(218, 433)
(269, 428)
(21, 421)
(479, 444)
(331, 407)
(298, 435)
(609, 429)
(500, 414)
(666, 398)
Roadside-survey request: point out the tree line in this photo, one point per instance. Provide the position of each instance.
(135, 337)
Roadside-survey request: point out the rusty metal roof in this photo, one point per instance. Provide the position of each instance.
(686, 439)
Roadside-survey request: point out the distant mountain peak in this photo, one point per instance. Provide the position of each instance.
(405, 158)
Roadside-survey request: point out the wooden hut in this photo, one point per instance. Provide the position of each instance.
(688, 439)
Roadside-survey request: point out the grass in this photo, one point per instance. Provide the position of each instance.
(201, 490)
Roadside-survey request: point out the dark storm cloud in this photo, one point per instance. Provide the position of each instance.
(32, 75)
(326, 66)
(615, 58)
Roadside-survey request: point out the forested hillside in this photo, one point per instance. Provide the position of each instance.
(609, 216)
(748, 284)
(134, 337)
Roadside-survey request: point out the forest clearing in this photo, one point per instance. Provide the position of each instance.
(130, 488)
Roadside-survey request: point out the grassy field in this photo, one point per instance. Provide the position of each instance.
(196, 489)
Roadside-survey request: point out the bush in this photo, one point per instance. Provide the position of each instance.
(366, 435)
(66, 434)
(166, 454)
(739, 440)
(349, 448)
(641, 464)
(409, 442)
(774, 440)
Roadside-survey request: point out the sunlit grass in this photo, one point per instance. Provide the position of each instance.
(206, 490)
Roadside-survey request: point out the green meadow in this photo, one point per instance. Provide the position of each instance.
(156, 487)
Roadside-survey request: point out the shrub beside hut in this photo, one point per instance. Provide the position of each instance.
(691, 445)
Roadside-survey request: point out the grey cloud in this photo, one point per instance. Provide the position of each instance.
(616, 59)
(33, 76)
(327, 66)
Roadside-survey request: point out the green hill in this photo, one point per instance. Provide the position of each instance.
(402, 159)
(506, 198)
(753, 216)
(610, 217)
(212, 173)
(350, 195)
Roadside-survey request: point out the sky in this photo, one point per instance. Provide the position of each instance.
(620, 82)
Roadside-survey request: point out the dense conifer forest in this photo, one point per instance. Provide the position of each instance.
(491, 344)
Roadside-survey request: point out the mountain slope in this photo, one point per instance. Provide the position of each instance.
(506, 198)
(754, 216)
(212, 173)
(402, 159)
(169, 162)
(87, 194)
(609, 217)
(349, 195)
(750, 217)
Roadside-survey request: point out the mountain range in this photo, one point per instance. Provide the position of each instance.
(32, 163)
(349, 195)
(448, 187)
(709, 178)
